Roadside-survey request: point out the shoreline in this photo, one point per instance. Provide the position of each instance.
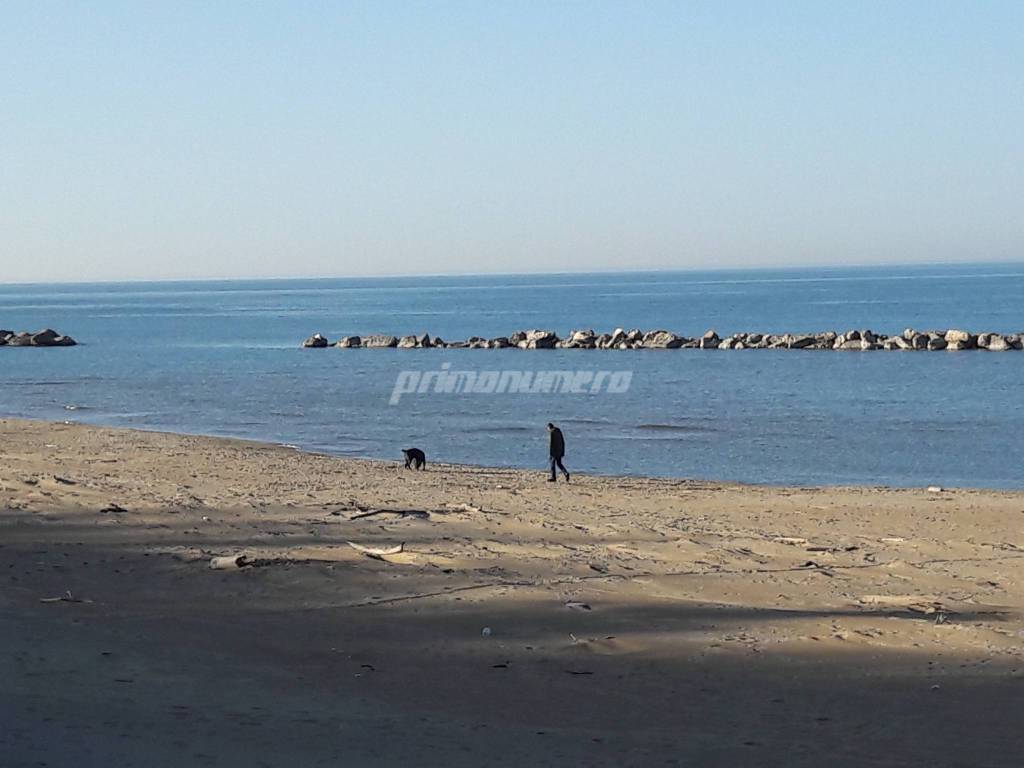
(488, 616)
(539, 470)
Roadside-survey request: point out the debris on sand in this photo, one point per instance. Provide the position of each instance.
(229, 562)
(67, 597)
(377, 553)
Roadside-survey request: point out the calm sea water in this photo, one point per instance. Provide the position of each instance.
(222, 358)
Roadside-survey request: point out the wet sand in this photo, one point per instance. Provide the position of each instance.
(611, 621)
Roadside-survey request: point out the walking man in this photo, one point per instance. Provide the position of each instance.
(557, 452)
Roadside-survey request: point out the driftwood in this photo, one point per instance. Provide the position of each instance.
(377, 553)
(229, 562)
(421, 513)
(67, 597)
(792, 540)
(927, 604)
(463, 507)
(237, 562)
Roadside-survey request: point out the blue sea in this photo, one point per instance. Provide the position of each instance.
(223, 358)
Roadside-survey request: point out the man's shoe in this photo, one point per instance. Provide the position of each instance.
(551, 479)
(567, 477)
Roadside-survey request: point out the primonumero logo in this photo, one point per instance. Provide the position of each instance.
(500, 382)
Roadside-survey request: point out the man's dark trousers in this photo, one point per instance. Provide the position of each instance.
(556, 461)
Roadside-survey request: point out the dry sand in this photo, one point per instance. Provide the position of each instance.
(631, 621)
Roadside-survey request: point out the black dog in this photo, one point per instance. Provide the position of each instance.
(414, 456)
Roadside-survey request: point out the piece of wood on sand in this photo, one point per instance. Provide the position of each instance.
(421, 513)
(228, 562)
(463, 507)
(377, 553)
(927, 604)
(67, 597)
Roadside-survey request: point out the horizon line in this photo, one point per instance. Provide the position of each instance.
(615, 271)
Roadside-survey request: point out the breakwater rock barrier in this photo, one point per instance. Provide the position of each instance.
(44, 338)
(853, 340)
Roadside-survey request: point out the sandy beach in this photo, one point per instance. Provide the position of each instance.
(487, 617)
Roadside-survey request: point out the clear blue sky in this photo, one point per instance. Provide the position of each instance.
(212, 139)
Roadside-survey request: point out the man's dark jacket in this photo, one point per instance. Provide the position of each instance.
(557, 444)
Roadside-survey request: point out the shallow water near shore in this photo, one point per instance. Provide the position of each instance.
(222, 358)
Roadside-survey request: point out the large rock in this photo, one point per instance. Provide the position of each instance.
(998, 344)
(661, 340)
(380, 340)
(500, 342)
(959, 337)
(316, 341)
(936, 342)
(349, 342)
(858, 345)
(580, 340)
(423, 341)
(44, 338)
(801, 342)
(710, 340)
(539, 340)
